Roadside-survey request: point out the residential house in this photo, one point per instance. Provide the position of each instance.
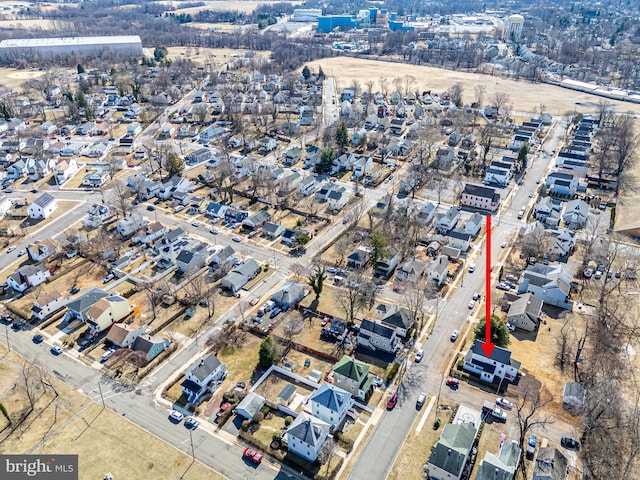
(386, 266)
(250, 405)
(65, 170)
(216, 210)
(410, 270)
(98, 215)
(39, 168)
(323, 192)
(331, 404)
(78, 308)
(233, 215)
(256, 220)
(359, 257)
(17, 169)
(561, 242)
(478, 196)
(458, 238)
(41, 249)
(43, 207)
(502, 466)
(5, 205)
(307, 185)
(398, 318)
(338, 197)
(289, 295)
(95, 179)
(474, 224)
(551, 283)
(226, 256)
(191, 258)
(292, 156)
(175, 185)
(130, 224)
(211, 134)
(550, 464)
(448, 221)
(267, 144)
(289, 237)
(272, 230)
(548, 211)
(454, 138)
(149, 234)
(306, 436)
(122, 335)
(563, 183)
(427, 212)
(576, 214)
(203, 377)
(439, 269)
(47, 303)
(444, 158)
(353, 376)
(241, 275)
(525, 312)
(28, 276)
(362, 166)
(376, 336)
(573, 397)
(107, 311)
(449, 455)
(151, 346)
(495, 369)
(86, 128)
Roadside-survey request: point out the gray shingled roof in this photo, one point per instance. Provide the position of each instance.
(308, 429)
(204, 367)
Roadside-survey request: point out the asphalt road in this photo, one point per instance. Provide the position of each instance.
(382, 448)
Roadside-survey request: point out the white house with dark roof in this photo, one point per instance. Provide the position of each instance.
(331, 404)
(130, 224)
(449, 455)
(548, 211)
(502, 466)
(525, 312)
(28, 276)
(43, 206)
(576, 214)
(410, 270)
(460, 239)
(191, 258)
(551, 283)
(376, 336)
(306, 436)
(448, 221)
(203, 377)
(78, 308)
(497, 368)
(438, 269)
(474, 224)
(398, 318)
(562, 242)
(478, 196)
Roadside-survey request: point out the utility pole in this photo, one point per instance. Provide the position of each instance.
(101, 396)
(6, 332)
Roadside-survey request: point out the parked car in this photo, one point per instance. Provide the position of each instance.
(476, 296)
(150, 208)
(107, 355)
(275, 312)
(74, 290)
(176, 416)
(225, 406)
(37, 338)
(454, 383)
(17, 326)
(419, 356)
(377, 381)
(503, 244)
(195, 223)
(392, 402)
(533, 441)
(191, 423)
(454, 335)
(56, 350)
(252, 456)
(108, 278)
(504, 403)
(511, 327)
(570, 443)
(472, 304)
(421, 398)
(11, 248)
(21, 253)
(502, 286)
(236, 239)
(472, 268)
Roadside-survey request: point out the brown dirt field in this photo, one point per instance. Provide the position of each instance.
(524, 96)
(26, 24)
(13, 78)
(205, 55)
(240, 5)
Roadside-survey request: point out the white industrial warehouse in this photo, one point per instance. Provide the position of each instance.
(33, 48)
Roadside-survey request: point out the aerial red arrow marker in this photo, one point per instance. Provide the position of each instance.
(487, 346)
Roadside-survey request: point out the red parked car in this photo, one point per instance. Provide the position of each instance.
(453, 382)
(392, 401)
(223, 409)
(252, 455)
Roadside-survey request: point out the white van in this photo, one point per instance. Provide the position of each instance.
(421, 399)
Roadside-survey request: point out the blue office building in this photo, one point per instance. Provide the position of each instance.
(327, 23)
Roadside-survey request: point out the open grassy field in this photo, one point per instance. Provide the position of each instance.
(208, 55)
(524, 96)
(74, 424)
(240, 5)
(28, 24)
(13, 78)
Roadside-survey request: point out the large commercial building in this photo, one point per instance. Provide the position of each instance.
(306, 14)
(35, 48)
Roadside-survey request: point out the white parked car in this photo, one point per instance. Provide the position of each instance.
(504, 403)
(472, 304)
(419, 356)
(176, 416)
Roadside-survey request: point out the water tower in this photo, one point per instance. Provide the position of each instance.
(514, 27)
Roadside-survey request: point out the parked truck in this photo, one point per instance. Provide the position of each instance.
(491, 409)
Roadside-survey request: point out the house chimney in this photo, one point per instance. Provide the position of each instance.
(449, 452)
(201, 361)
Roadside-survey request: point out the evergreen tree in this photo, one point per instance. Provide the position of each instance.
(499, 331)
(306, 73)
(342, 136)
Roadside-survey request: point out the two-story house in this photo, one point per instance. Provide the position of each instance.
(41, 249)
(78, 308)
(107, 311)
(525, 312)
(439, 269)
(191, 258)
(47, 303)
(28, 276)
(576, 214)
(331, 404)
(306, 436)
(398, 318)
(376, 336)
(203, 377)
(480, 197)
(551, 283)
(410, 270)
(449, 455)
(497, 368)
(149, 234)
(130, 224)
(448, 221)
(548, 211)
(42, 207)
(353, 376)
